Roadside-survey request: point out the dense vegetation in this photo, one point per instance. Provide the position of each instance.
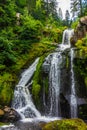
(29, 29)
(25, 33)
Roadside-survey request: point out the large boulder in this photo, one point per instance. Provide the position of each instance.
(68, 124)
(83, 20)
(80, 31)
(8, 114)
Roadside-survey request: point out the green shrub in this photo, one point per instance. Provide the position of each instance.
(6, 88)
(31, 29)
(74, 24)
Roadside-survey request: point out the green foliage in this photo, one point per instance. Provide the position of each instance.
(8, 13)
(54, 34)
(2, 124)
(82, 45)
(6, 89)
(74, 24)
(21, 3)
(69, 124)
(86, 80)
(16, 48)
(36, 87)
(31, 29)
(6, 55)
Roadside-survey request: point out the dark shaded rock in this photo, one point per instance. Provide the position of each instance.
(8, 114)
(82, 111)
(64, 105)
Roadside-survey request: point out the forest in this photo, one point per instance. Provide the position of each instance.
(31, 29)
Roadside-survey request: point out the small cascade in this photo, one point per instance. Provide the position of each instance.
(54, 84)
(67, 34)
(22, 101)
(73, 92)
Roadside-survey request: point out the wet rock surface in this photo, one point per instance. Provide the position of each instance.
(8, 114)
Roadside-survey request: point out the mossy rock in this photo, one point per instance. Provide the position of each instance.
(2, 124)
(66, 124)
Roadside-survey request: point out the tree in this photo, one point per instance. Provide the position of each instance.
(50, 7)
(31, 5)
(7, 13)
(76, 8)
(67, 17)
(60, 13)
(84, 4)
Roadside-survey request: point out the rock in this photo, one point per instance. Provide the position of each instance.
(9, 115)
(64, 105)
(83, 20)
(82, 111)
(68, 124)
(1, 112)
(80, 31)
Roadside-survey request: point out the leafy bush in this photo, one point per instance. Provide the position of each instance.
(31, 29)
(6, 56)
(6, 91)
(74, 24)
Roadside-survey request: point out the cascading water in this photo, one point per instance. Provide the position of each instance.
(22, 99)
(73, 93)
(67, 34)
(54, 84)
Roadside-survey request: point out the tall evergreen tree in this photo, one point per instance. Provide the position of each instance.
(74, 8)
(31, 5)
(51, 7)
(60, 14)
(67, 17)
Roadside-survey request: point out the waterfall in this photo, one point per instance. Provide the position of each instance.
(73, 93)
(67, 34)
(54, 84)
(53, 63)
(22, 101)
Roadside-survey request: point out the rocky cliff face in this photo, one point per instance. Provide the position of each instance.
(80, 31)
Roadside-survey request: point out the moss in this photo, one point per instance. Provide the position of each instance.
(86, 81)
(46, 84)
(36, 87)
(6, 89)
(67, 62)
(68, 124)
(1, 124)
(9, 76)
